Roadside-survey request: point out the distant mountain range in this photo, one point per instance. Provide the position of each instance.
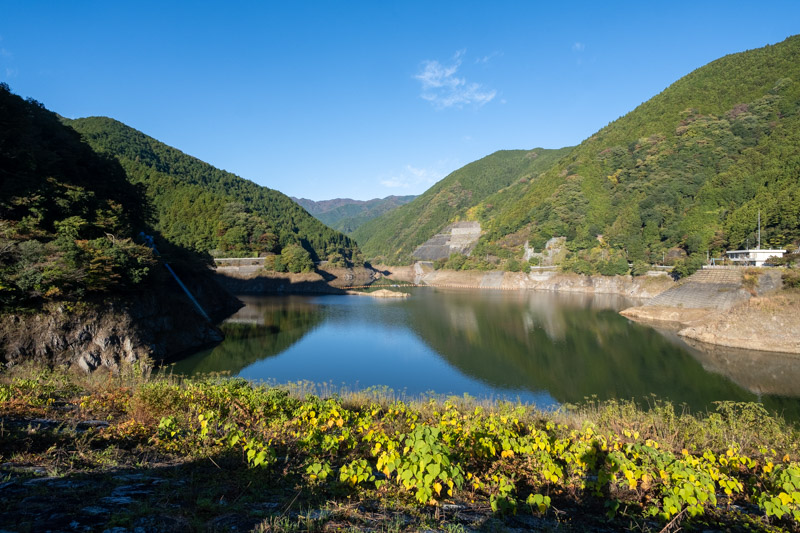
(687, 171)
(347, 215)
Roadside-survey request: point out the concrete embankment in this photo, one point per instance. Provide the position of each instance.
(714, 307)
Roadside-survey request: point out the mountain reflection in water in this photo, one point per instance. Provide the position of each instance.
(544, 348)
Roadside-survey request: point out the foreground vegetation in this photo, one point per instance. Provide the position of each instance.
(218, 453)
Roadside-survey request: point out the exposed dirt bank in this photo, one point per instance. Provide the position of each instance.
(714, 307)
(104, 333)
(381, 293)
(638, 287)
(244, 280)
(671, 317)
(770, 323)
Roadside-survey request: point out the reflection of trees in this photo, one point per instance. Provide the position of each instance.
(523, 342)
(265, 327)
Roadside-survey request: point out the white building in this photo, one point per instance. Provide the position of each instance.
(756, 257)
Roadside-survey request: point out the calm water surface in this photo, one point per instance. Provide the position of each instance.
(538, 347)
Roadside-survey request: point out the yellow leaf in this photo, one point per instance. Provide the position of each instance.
(437, 487)
(785, 498)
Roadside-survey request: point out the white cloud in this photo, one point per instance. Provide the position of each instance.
(485, 59)
(6, 58)
(412, 177)
(442, 88)
(578, 47)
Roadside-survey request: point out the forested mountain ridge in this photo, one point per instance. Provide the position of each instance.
(207, 209)
(346, 215)
(689, 169)
(394, 236)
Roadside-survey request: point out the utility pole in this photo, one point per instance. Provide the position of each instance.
(759, 230)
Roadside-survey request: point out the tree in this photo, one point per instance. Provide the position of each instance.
(296, 259)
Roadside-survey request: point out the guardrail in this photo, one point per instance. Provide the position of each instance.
(239, 261)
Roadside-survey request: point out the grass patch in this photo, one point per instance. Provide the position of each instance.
(217, 453)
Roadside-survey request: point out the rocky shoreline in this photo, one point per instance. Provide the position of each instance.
(715, 308)
(547, 280)
(767, 324)
(255, 280)
(107, 333)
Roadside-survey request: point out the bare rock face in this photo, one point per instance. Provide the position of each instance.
(147, 326)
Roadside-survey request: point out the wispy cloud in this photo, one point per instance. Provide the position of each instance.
(6, 60)
(578, 47)
(485, 59)
(412, 177)
(443, 88)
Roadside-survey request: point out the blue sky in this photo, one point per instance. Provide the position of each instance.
(366, 99)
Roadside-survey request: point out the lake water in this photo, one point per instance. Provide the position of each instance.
(538, 347)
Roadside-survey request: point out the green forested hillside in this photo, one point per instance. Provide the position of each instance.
(690, 168)
(348, 215)
(67, 215)
(393, 236)
(207, 209)
(686, 172)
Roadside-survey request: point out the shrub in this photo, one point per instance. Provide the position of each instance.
(791, 279)
(296, 259)
(614, 267)
(640, 268)
(455, 262)
(686, 267)
(578, 266)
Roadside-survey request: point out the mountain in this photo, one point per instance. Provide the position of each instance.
(684, 173)
(207, 209)
(394, 236)
(347, 215)
(67, 214)
(78, 286)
